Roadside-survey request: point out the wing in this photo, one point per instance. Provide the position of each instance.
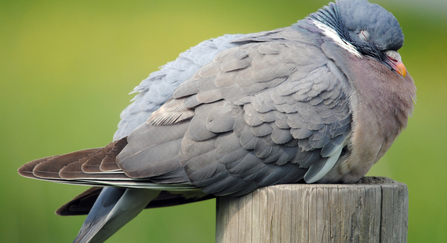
(95, 167)
(156, 89)
(259, 114)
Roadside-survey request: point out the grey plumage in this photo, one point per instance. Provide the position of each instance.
(115, 207)
(159, 86)
(320, 101)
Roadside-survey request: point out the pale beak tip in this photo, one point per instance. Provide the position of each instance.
(400, 69)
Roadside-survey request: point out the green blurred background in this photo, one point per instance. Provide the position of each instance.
(66, 68)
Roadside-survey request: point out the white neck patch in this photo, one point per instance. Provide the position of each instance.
(331, 33)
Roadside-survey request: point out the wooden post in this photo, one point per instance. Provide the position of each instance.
(373, 210)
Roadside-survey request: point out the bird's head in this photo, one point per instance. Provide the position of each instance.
(363, 28)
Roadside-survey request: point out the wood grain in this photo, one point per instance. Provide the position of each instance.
(373, 210)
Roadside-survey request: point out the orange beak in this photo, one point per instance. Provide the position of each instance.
(400, 69)
(397, 65)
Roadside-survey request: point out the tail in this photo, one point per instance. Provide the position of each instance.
(122, 197)
(114, 207)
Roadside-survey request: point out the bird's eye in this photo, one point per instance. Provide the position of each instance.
(364, 35)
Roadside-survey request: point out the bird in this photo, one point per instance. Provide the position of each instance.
(320, 101)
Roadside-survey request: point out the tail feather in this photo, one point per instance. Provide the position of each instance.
(112, 210)
(82, 204)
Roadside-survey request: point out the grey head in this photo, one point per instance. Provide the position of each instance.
(370, 28)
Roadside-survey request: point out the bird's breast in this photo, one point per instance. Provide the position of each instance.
(381, 101)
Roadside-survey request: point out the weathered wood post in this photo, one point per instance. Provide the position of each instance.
(373, 210)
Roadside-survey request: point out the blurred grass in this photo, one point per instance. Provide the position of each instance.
(66, 68)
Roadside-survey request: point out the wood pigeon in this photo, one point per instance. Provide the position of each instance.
(317, 102)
